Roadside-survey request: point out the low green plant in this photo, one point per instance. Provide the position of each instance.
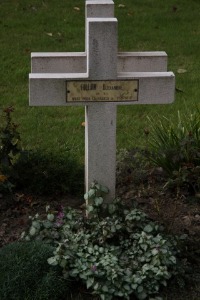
(10, 150)
(25, 273)
(176, 148)
(113, 250)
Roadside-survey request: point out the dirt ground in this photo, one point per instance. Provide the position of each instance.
(15, 211)
(179, 213)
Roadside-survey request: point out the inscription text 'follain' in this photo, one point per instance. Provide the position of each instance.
(102, 91)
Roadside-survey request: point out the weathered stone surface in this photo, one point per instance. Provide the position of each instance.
(142, 61)
(102, 48)
(99, 9)
(64, 62)
(100, 145)
(50, 89)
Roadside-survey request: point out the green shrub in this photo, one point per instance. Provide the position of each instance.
(26, 275)
(10, 150)
(176, 148)
(113, 250)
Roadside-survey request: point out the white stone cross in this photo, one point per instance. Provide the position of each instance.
(52, 72)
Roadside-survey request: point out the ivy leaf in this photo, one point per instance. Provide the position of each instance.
(104, 189)
(63, 263)
(96, 286)
(32, 231)
(91, 193)
(127, 287)
(36, 224)
(173, 259)
(75, 272)
(52, 261)
(105, 289)
(111, 208)
(134, 286)
(90, 282)
(154, 251)
(47, 224)
(86, 196)
(120, 294)
(90, 208)
(98, 201)
(113, 228)
(90, 250)
(98, 186)
(140, 289)
(148, 228)
(142, 296)
(144, 247)
(50, 217)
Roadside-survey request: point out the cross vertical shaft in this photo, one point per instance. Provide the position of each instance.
(100, 130)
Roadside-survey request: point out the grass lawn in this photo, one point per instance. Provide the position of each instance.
(58, 26)
(148, 25)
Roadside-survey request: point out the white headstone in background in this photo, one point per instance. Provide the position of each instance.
(100, 79)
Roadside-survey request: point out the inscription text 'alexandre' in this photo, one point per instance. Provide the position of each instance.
(102, 91)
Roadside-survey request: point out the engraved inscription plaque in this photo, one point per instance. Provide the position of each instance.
(102, 91)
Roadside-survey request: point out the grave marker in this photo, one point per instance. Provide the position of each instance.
(100, 79)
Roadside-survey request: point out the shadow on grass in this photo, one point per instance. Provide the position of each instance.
(46, 174)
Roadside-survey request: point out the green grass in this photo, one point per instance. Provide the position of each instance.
(148, 25)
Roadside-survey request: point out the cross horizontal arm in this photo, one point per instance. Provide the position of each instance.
(58, 62)
(154, 87)
(69, 62)
(142, 61)
(50, 89)
(58, 76)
